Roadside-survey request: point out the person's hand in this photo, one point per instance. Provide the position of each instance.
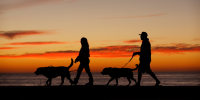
(76, 60)
(135, 53)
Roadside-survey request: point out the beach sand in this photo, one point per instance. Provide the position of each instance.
(100, 92)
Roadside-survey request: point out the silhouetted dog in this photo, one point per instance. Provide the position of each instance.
(116, 73)
(53, 72)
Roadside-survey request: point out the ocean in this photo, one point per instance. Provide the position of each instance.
(166, 78)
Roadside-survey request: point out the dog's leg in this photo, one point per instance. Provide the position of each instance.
(109, 81)
(134, 80)
(70, 80)
(116, 81)
(48, 82)
(129, 81)
(62, 80)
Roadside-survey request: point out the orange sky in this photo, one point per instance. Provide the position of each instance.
(38, 33)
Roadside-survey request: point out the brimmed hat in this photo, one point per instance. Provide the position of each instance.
(144, 34)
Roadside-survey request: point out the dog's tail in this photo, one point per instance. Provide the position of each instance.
(137, 66)
(71, 64)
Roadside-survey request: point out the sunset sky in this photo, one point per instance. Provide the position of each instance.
(39, 33)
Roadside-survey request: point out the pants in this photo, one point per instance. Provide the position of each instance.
(87, 69)
(145, 67)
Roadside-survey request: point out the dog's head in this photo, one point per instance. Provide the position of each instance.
(106, 71)
(39, 71)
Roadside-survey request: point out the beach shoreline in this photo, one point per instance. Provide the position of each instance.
(100, 92)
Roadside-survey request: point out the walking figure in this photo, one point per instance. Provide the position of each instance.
(83, 58)
(145, 59)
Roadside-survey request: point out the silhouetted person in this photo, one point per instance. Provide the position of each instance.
(83, 58)
(145, 59)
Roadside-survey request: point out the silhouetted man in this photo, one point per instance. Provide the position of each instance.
(83, 58)
(145, 59)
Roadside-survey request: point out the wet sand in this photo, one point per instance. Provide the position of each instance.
(100, 92)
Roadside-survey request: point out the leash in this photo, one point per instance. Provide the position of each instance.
(127, 62)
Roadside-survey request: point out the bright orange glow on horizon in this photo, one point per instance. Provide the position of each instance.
(159, 63)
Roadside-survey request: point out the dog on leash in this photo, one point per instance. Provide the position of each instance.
(53, 72)
(116, 73)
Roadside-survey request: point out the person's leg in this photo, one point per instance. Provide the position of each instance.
(154, 77)
(150, 72)
(87, 69)
(140, 68)
(80, 69)
(139, 78)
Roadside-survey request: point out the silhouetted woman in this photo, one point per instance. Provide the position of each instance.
(83, 58)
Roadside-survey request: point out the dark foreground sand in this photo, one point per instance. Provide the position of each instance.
(100, 93)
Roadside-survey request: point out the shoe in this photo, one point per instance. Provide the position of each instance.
(137, 84)
(157, 83)
(74, 82)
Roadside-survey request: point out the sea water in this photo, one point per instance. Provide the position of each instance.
(166, 78)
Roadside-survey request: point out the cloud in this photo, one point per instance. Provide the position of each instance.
(139, 16)
(112, 51)
(115, 48)
(196, 39)
(6, 48)
(177, 48)
(36, 43)
(49, 54)
(132, 41)
(27, 3)
(15, 34)
(109, 51)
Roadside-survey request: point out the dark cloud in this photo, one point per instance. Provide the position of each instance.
(116, 48)
(177, 48)
(132, 41)
(14, 34)
(67, 51)
(139, 16)
(37, 43)
(27, 3)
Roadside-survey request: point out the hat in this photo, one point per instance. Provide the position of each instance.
(144, 34)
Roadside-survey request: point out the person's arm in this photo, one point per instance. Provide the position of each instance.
(77, 59)
(79, 55)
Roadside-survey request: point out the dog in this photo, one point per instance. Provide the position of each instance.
(116, 73)
(52, 72)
